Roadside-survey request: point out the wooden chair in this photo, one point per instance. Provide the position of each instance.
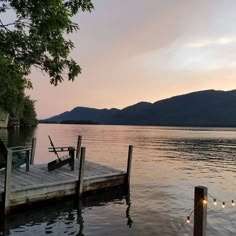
(63, 160)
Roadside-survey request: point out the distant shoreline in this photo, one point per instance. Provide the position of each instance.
(156, 125)
(74, 122)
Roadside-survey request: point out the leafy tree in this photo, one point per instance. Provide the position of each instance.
(35, 37)
(11, 91)
(33, 34)
(14, 101)
(29, 116)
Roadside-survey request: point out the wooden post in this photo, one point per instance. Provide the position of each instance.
(7, 186)
(27, 160)
(200, 211)
(130, 153)
(72, 157)
(79, 141)
(33, 146)
(81, 171)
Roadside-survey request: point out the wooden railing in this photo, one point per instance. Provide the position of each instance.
(29, 151)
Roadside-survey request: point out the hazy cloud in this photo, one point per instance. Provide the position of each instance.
(146, 50)
(214, 42)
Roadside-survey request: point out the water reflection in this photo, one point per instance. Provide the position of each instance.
(168, 163)
(65, 217)
(17, 136)
(80, 222)
(209, 150)
(128, 203)
(4, 135)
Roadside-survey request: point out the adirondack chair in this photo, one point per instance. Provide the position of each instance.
(63, 160)
(18, 155)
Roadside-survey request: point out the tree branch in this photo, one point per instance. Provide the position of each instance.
(4, 26)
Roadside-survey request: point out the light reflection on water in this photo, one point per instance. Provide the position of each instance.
(70, 217)
(167, 164)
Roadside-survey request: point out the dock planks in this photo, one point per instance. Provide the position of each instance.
(40, 184)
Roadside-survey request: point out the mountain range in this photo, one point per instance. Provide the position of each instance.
(202, 108)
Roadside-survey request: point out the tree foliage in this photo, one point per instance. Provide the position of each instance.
(35, 36)
(11, 91)
(32, 33)
(29, 116)
(14, 101)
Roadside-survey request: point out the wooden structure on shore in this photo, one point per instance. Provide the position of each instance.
(35, 183)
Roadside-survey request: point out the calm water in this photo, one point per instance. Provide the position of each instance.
(167, 164)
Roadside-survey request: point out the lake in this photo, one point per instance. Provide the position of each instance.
(168, 162)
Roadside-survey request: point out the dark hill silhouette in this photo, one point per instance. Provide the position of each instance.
(203, 108)
(85, 113)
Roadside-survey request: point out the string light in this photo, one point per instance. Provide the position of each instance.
(215, 202)
(204, 201)
(223, 204)
(188, 220)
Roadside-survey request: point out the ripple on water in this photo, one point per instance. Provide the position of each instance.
(168, 162)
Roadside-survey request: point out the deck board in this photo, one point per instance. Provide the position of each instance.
(39, 183)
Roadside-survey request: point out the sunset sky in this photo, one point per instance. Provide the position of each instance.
(136, 50)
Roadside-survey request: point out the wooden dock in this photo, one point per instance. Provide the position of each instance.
(39, 184)
(65, 176)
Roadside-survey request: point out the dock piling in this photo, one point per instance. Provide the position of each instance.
(79, 141)
(200, 211)
(81, 171)
(72, 157)
(27, 160)
(33, 146)
(7, 185)
(128, 172)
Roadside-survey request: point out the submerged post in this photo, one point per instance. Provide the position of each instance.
(200, 211)
(33, 146)
(128, 172)
(81, 171)
(78, 146)
(7, 186)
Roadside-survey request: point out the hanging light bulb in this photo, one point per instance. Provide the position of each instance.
(188, 220)
(215, 202)
(233, 203)
(204, 201)
(223, 204)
